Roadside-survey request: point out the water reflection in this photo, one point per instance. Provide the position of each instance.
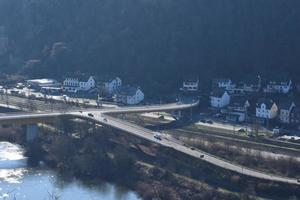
(17, 181)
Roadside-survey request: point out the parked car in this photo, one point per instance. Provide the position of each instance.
(90, 115)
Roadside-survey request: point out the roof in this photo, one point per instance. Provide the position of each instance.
(191, 79)
(82, 77)
(106, 78)
(221, 80)
(218, 93)
(268, 102)
(279, 82)
(127, 90)
(43, 81)
(285, 104)
(238, 101)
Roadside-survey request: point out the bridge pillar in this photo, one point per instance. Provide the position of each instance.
(31, 132)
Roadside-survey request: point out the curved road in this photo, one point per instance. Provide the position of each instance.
(101, 117)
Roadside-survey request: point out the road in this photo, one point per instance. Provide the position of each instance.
(101, 116)
(181, 147)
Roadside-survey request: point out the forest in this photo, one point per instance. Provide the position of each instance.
(152, 42)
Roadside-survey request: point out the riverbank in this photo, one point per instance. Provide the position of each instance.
(97, 153)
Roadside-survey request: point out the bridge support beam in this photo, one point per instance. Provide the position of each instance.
(31, 132)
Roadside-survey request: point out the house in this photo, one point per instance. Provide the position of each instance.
(238, 109)
(72, 84)
(38, 84)
(285, 108)
(252, 85)
(219, 98)
(283, 87)
(266, 108)
(222, 83)
(239, 104)
(190, 84)
(236, 89)
(129, 95)
(295, 116)
(109, 86)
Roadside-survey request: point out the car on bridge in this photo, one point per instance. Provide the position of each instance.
(157, 136)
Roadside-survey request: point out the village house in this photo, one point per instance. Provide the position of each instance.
(237, 110)
(295, 116)
(252, 85)
(266, 109)
(219, 98)
(190, 84)
(222, 83)
(239, 104)
(109, 86)
(283, 87)
(285, 108)
(75, 84)
(129, 95)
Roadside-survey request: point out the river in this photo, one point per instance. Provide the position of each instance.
(20, 182)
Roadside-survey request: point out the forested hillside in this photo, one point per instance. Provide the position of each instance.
(153, 41)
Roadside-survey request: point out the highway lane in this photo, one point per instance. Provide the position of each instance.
(101, 117)
(181, 147)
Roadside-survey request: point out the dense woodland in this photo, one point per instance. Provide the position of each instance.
(153, 42)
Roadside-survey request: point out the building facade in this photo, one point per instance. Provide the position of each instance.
(219, 99)
(190, 85)
(75, 84)
(283, 87)
(129, 95)
(285, 111)
(266, 108)
(110, 86)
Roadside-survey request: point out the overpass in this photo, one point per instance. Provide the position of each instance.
(101, 116)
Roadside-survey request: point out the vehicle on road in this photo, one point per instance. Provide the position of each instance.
(202, 156)
(161, 117)
(192, 148)
(241, 130)
(80, 111)
(298, 180)
(157, 136)
(105, 119)
(209, 122)
(90, 115)
(203, 121)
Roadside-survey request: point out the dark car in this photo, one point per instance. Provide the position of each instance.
(241, 130)
(192, 148)
(203, 120)
(202, 156)
(90, 115)
(209, 122)
(161, 117)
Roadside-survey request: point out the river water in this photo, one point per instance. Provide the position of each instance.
(20, 182)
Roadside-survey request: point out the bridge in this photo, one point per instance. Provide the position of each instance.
(101, 116)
